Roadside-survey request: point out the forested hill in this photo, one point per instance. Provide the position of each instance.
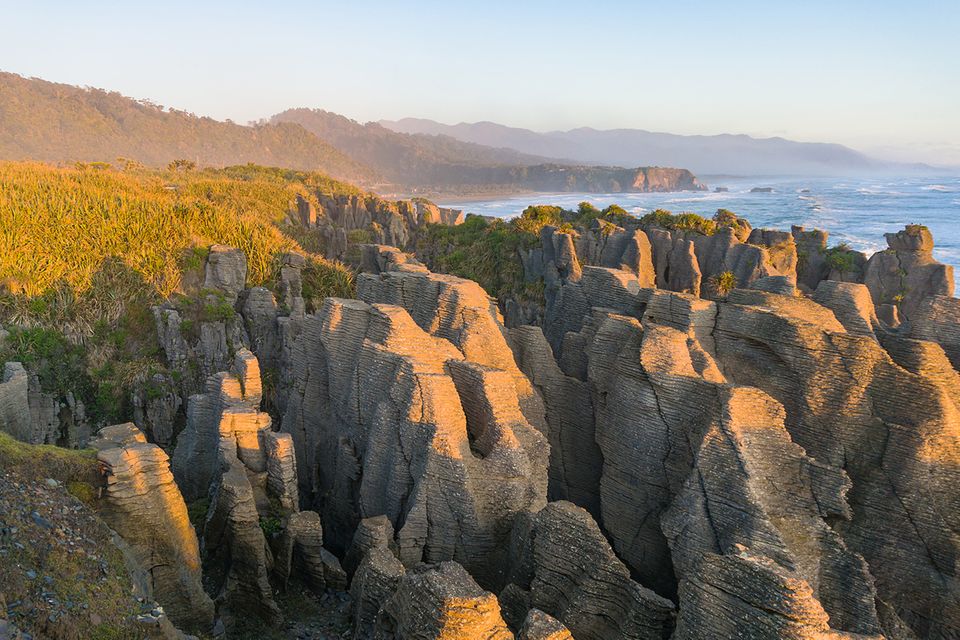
(59, 123)
(52, 122)
(411, 159)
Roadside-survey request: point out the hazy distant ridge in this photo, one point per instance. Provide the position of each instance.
(725, 153)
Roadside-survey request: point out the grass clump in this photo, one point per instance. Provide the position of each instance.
(680, 222)
(483, 250)
(721, 284)
(841, 258)
(85, 251)
(63, 465)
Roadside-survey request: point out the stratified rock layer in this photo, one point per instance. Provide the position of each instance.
(142, 503)
(434, 602)
(388, 419)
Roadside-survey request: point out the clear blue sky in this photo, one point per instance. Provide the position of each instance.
(881, 76)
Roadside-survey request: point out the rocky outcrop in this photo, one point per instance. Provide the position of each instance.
(540, 626)
(851, 304)
(565, 565)
(606, 245)
(225, 271)
(575, 459)
(388, 419)
(906, 272)
(812, 266)
(340, 219)
(14, 404)
(156, 408)
(34, 416)
(301, 551)
(236, 553)
(282, 469)
(887, 415)
(674, 413)
(142, 503)
(378, 258)
(228, 410)
(442, 601)
(937, 319)
(374, 583)
(372, 533)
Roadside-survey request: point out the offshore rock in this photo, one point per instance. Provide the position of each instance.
(563, 560)
(442, 601)
(142, 503)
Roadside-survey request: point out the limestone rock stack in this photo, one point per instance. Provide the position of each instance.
(888, 416)
(906, 272)
(142, 503)
(389, 420)
(562, 565)
(31, 415)
(442, 601)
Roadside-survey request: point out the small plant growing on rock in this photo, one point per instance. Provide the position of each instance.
(722, 283)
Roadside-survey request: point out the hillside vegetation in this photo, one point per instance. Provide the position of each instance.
(54, 122)
(400, 156)
(85, 251)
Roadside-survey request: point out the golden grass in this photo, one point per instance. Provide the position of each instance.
(80, 244)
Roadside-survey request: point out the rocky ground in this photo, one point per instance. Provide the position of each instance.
(60, 573)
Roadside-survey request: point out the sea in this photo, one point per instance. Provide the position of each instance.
(857, 211)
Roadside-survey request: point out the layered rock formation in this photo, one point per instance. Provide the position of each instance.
(31, 415)
(699, 408)
(906, 273)
(442, 601)
(339, 219)
(562, 565)
(390, 420)
(142, 503)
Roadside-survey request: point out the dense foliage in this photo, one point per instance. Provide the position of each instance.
(85, 251)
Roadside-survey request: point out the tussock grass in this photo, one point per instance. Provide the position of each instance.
(78, 245)
(86, 250)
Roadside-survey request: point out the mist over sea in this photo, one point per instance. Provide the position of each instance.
(853, 210)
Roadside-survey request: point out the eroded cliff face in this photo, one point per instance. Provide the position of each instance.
(143, 504)
(388, 419)
(648, 463)
(748, 448)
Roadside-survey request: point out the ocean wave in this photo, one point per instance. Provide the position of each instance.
(867, 191)
(937, 187)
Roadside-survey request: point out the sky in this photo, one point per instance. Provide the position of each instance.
(882, 77)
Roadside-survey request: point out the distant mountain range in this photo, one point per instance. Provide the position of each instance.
(52, 122)
(717, 154)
